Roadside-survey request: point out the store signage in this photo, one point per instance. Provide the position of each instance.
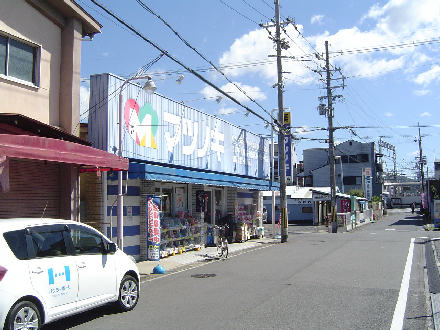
(368, 184)
(157, 129)
(300, 201)
(319, 197)
(345, 206)
(288, 147)
(153, 227)
(368, 187)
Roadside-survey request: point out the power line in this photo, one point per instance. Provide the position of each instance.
(388, 47)
(143, 5)
(238, 12)
(256, 10)
(179, 62)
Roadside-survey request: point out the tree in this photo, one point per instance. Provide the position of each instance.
(356, 192)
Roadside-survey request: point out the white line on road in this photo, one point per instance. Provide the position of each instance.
(399, 311)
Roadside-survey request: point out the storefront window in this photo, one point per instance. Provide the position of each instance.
(218, 205)
(180, 199)
(166, 195)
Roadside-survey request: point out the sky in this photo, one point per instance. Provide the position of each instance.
(387, 52)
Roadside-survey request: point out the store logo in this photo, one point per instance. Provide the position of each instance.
(62, 273)
(141, 123)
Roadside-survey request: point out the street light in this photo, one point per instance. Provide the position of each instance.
(149, 88)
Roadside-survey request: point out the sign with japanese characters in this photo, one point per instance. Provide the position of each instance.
(288, 148)
(158, 129)
(319, 197)
(59, 281)
(153, 227)
(368, 183)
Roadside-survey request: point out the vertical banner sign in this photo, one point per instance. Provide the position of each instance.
(153, 227)
(368, 183)
(345, 206)
(288, 147)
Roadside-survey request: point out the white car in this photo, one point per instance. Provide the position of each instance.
(51, 269)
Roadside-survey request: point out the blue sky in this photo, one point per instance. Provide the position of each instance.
(387, 93)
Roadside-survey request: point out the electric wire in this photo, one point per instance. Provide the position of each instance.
(143, 5)
(238, 12)
(256, 10)
(180, 63)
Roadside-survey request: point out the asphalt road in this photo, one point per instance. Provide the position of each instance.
(316, 280)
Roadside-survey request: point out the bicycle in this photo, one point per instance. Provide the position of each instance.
(222, 242)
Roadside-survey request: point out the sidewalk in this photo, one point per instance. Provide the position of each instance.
(193, 259)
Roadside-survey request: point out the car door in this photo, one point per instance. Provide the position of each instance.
(52, 271)
(96, 267)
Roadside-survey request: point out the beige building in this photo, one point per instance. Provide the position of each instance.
(41, 154)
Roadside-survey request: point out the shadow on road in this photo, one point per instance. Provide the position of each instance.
(415, 220)
(85, 317)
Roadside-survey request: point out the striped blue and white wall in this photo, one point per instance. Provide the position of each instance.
(132, 219)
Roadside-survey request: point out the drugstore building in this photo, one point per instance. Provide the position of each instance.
(204, 170)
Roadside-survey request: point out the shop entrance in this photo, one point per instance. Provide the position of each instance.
(209, 210)
(214, 203)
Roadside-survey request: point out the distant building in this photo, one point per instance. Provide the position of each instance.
(437, 169)
(355, 168)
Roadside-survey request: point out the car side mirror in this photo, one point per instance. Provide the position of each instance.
(111, 248)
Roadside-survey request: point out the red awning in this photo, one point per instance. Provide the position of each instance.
(54, 150)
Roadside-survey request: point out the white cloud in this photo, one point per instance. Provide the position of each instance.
(304, 130)
(248, 55)
(227, 111)
(389, 114)
(253, 92)
(396, 22)
(317, 19)
(428, 76)
(421, 92)
(408, 16)
(375, 11)
(425, 114)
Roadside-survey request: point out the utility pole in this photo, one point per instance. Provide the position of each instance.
(328, 111)
(281, 134)
(421, 161)
(333, 225)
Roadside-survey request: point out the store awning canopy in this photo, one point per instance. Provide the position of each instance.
(55, 150)
(160, 173)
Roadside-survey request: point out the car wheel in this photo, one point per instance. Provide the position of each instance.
(128, 293)
(24, 315)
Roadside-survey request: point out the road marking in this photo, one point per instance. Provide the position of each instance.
(399, 311)
(391, 229)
